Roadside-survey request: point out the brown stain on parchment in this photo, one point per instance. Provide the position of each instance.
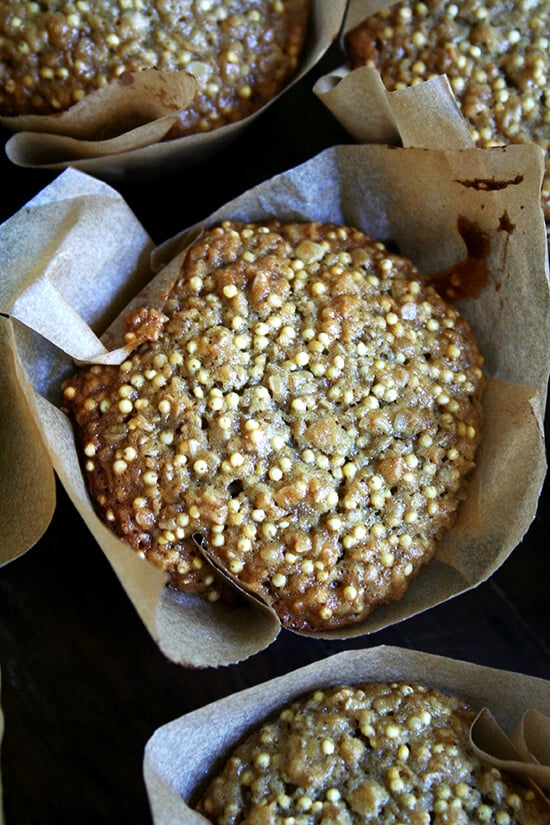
(468, 277)
(126, 79)
(504, 225)
(490, 184)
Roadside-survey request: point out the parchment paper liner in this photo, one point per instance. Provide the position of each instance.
(63, 268)
(423, 115)
(147, 104)
(180, 754)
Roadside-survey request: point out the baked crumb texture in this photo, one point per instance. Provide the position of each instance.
(242, 52)
(396, 754)
(496, 56)
(304, 403)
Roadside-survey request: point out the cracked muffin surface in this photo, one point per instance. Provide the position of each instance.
(303, 414)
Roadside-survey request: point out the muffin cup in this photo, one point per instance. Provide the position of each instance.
(424, 114)
(75, 254)
(511, 730)
(119, 130)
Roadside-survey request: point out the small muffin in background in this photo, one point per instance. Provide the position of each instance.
(496, 56)
(241, 52)
(390, 753)
(304, 411)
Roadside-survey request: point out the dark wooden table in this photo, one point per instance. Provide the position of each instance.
(83, 684)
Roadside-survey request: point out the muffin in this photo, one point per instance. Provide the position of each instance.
(241, 52)
(494, 54)
(367, 753)
(300, 420)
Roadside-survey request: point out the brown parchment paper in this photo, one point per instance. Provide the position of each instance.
(119, 130)
(30, 491)
(526, 753)
(50, 251)
(180, 754)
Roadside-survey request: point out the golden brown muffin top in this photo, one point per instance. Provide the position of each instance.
(391, 753)
(304, 404)
(241, 52)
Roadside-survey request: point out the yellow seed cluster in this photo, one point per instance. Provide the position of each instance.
(394, 753)
(319, 464)
(495, 55)
(241, 52)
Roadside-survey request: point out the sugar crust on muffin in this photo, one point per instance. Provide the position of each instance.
(304, 405)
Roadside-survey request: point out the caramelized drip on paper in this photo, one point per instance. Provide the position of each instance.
(468, 277)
